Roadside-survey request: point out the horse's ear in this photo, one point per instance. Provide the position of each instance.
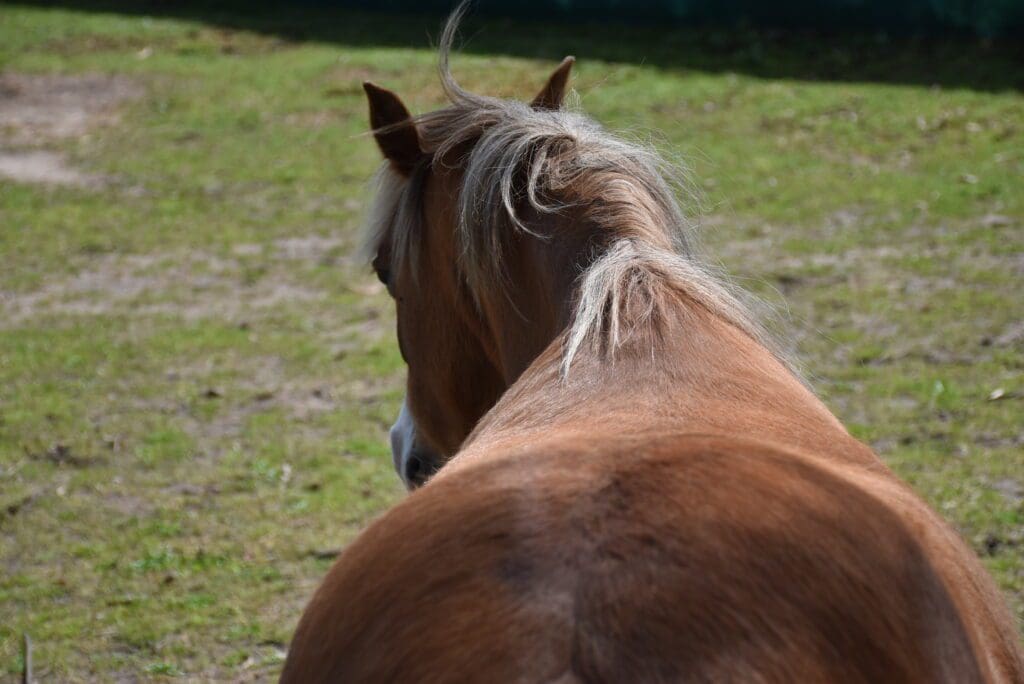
(393, 128)
(553, 92)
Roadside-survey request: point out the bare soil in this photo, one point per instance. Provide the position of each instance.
(37, 111)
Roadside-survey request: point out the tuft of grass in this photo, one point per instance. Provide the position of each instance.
(196, 378)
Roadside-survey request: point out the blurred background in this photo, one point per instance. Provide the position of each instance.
(197, 374)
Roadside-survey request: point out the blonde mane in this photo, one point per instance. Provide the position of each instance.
(514, 159)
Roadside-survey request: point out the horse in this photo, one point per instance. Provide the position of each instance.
(615, 476)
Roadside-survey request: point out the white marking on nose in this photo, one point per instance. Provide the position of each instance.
(403, 436)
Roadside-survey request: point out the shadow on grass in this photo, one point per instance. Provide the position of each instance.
(949, 61)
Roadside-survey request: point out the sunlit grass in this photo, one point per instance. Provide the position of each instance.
(196, 376)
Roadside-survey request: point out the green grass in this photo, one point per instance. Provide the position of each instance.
(196, 376)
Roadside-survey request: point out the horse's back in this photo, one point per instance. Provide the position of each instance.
(664, 559)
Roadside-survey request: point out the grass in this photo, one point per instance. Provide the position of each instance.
(196, 376)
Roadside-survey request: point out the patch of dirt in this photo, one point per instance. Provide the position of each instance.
(307, 248)
(191, 285)
(47, 168)
(128, 505)
(36, 109)
(247, 249)
(1012, 336)
(264, 384)
(800, 276)
(1012, 490)
(301, 401)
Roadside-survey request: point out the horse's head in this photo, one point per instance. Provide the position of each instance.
(455, 369)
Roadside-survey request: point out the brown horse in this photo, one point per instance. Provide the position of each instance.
(635, 486)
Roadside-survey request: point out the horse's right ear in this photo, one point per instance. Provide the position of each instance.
(393, 128)
(553, 92)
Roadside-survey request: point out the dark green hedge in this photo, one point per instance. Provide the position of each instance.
(983, 17)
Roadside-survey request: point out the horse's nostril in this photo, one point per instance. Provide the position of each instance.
(413, 469)
(419, 468)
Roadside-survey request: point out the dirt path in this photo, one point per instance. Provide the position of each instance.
(38, 111)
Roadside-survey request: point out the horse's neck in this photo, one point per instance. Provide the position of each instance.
(703, 376)
(525, 318)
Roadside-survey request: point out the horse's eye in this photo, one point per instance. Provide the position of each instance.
(380, 267)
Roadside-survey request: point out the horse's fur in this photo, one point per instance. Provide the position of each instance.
(636, 488)
(666, 558)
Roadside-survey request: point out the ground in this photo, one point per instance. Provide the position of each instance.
(197, 373)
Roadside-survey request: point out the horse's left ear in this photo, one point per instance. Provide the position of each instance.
(393, 128)
(553, 92)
